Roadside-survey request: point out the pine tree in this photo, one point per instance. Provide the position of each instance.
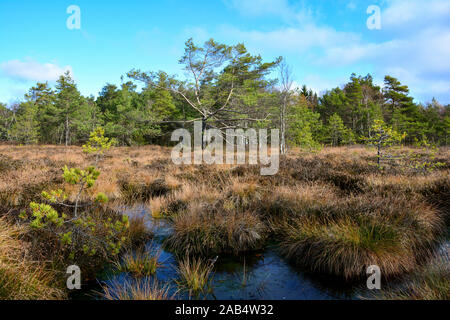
(401, 111)
(6, 121)
(25, 128)
(67, 102)
(333, 101)
(43, 98)
(303, 125)
(338, 133)
(354, 97)
(372, 102)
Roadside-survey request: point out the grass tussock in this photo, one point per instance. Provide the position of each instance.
(344, 238)
(21, 278)
(331, 211)
(145, 289)
(137, 190)
(287, 201)
(195, 275)
(137, 232)
(158, 207)
(203, 229)
(431, 282)
(139, 263)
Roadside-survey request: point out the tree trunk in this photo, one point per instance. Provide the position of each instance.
(67, 130)
(283, 125)
(379, 154)
(283, 134)
(61, 135)
(203, 132)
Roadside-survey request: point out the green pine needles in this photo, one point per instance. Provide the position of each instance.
(98, 143)
(80, 232)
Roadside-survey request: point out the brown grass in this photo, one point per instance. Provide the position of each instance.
(21, 278)
(344, 238)
(430, 282)
(139, 263)
(145, 289)
(331, 211)
(195, 276)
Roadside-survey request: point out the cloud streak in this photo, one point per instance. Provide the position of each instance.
(32, 70)
(412, 14)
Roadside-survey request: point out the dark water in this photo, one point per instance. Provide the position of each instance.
(257, 275)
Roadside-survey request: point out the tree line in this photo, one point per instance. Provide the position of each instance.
(225, 87)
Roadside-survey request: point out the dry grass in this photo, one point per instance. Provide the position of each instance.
(139, 263)
(158, 207)
(431, 282)
(202, 229)
(195, 276)
(145, 289)
(137, 232)
(331, 211)
(20, 278)
(286, 201)
(344, 238)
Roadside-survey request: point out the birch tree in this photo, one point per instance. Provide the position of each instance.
(286, 92)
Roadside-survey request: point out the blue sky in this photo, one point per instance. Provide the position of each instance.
(324, 41)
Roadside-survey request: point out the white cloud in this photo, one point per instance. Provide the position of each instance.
(415, 46)
(412, 14)
(296, 40)
(275, 8)
(420, 60)
(320, 84)
(428, 50)
(32, 70)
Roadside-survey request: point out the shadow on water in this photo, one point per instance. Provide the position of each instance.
(251, 276)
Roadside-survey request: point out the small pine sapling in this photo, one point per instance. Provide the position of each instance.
(383, 137)
(424, 160)
(80, 229)
(98, 144)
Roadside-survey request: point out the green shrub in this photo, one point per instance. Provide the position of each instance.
(95, 232)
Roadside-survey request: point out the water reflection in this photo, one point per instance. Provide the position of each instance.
(256, 275)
